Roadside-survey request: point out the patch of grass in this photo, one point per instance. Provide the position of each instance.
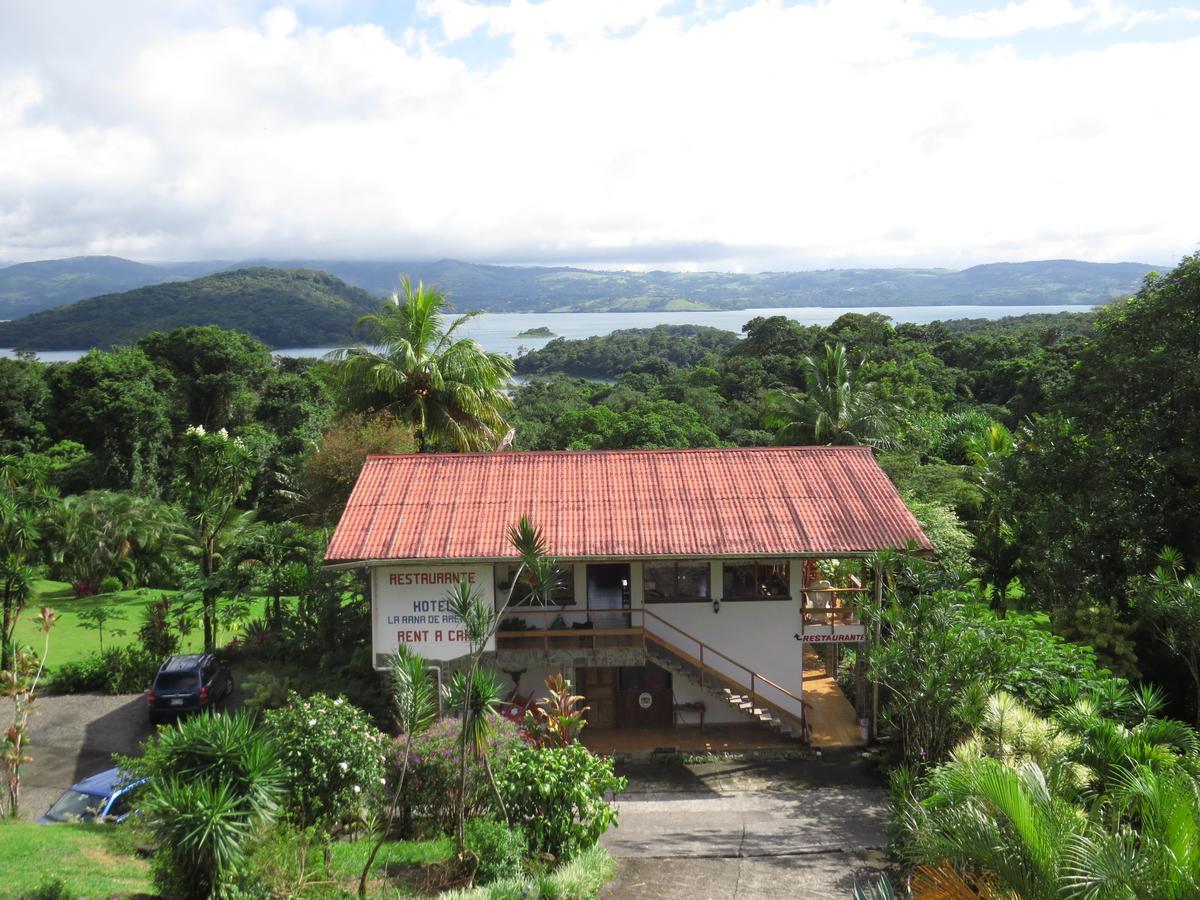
(580, 879)
(349, 856)
(291, 867)
(71, 641)
(89, 860)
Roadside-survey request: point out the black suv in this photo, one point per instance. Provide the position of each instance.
(186, 684)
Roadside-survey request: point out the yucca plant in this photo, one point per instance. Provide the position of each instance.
(215, 783)
(480, 623)
(480, 697)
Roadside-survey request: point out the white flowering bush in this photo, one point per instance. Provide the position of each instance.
(334, 756)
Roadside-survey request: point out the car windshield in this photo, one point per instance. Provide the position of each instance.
(74, 805)
(177, 681)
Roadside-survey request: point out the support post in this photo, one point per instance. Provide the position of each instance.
(878, 589)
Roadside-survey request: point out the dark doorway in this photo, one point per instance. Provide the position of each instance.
(626, 697)
(644, 697)
(608, 588)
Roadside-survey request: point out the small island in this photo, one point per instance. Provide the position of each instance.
(540, 332)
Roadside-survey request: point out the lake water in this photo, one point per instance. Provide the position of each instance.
(498, 331)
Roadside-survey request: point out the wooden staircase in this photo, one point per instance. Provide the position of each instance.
(742, 691)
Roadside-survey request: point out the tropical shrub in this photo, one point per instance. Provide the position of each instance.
(118, 670)
(944, 651)
(559, 796)
(110, 584)
(215, 785)
(265, 691)
(1074, 805)
(500, 849)
(334, 757)
(431, 796)
(558, 717)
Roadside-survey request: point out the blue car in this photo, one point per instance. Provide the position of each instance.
(107, 796)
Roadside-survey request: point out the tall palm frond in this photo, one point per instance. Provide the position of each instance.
(448, 388)
(836, 407)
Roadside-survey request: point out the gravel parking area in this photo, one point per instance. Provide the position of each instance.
(75, 736)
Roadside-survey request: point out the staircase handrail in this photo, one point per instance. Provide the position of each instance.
(754, 676)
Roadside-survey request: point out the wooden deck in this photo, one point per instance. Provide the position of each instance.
(831, 717)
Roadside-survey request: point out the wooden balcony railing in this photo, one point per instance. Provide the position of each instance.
(526, 628)
(836, 606)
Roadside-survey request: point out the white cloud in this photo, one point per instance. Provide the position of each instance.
(1004, 21)
(772, 136)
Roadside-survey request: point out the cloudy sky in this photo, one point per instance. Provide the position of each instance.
(694, 134)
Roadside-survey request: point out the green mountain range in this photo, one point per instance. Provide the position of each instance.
(31, 287)
(312, 302)
(280, 307)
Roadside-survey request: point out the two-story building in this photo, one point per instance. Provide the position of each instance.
(694, 583)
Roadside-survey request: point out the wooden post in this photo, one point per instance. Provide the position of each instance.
(878, 590)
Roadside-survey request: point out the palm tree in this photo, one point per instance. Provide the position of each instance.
(1076, 805)
(449, 389)
(274, 551)
(997, 550)
(102, 533)
(836, 407)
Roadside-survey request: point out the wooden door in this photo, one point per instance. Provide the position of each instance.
(598, 685)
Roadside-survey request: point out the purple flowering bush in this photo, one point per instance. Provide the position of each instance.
(431, 788)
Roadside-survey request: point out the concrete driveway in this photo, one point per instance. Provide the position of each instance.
(75, 736)
(748, 830)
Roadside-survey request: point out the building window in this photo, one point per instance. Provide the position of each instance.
(666, 581)
(562, 595)
(765, 579)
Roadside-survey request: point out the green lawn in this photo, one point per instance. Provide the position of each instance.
(98, 861)
(70, 641)
(88, 859)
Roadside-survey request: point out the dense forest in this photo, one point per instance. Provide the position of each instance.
(280, 307)
(1051, 460)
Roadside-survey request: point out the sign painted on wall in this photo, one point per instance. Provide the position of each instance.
(409, 605)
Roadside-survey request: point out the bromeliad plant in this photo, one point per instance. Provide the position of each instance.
(558, 718)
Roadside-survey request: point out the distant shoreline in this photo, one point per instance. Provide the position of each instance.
(495, 330)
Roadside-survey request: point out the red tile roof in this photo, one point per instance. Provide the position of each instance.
(768, 501)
